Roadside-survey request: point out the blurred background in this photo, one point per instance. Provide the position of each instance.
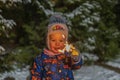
(94, 28)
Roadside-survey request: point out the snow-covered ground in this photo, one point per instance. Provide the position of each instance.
(92, 72)
(115, 63)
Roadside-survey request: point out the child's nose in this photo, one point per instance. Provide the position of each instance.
(57, 43)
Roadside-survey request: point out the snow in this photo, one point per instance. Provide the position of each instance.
(4, 1)
(6, 23)
(18, 74)
(92, 72)
(115, 63)
(88, 56)
(2, 49)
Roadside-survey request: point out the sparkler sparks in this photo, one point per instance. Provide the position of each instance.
(69, 48)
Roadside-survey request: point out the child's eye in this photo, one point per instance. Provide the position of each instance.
(53, 40)
(61, 41)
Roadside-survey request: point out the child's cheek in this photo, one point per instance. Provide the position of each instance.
(62, 46)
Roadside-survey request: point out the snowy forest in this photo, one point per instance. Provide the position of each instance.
(94, 28)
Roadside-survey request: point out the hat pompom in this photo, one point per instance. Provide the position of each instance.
(57, 19)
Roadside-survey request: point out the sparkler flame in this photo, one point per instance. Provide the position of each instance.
(69, 48)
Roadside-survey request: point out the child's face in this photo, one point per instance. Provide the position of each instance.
(57, 42)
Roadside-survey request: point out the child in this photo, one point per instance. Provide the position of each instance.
(59, 59)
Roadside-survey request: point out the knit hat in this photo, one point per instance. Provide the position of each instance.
(57, 24)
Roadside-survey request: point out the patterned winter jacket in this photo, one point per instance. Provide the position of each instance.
(57, 67)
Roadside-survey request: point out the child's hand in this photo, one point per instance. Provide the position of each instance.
(75, 52)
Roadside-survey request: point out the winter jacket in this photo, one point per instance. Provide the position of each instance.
(57, 67)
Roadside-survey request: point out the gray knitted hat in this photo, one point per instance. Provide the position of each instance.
(57, 23)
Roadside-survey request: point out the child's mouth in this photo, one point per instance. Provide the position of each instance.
(57, 49)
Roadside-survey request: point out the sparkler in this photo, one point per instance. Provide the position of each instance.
(69, 48)
(72, 50)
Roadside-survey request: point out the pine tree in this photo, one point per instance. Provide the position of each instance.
(92, 25)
